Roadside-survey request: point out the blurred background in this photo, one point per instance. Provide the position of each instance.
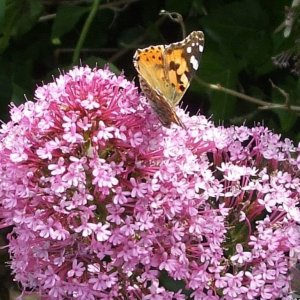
(248, 73)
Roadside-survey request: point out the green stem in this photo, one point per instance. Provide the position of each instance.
(84, 31)
(262, 103)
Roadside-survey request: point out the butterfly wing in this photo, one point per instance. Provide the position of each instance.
(181, 61)
(149, 63)
(165, 73)
(164, 111)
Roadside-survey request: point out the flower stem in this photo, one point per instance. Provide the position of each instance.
(84, 31)
(262, 103)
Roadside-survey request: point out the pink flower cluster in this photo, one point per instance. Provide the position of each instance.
(106, 203)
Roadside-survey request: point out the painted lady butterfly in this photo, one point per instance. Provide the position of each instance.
(165, 72)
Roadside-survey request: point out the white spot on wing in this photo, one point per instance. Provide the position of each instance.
(200, 48)
(189, 49)
(194, 62)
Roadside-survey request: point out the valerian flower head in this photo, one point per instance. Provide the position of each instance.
(106, 203)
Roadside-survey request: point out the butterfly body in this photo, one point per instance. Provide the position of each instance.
(165, 72)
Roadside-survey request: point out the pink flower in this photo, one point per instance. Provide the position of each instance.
(241, 256)
(106, 203)
(234, 285)
(101, 231)
(77, 269)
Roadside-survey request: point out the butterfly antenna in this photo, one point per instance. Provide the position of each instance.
(175, 17)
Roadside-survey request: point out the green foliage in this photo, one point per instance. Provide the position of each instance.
(171, 284)
(66, 19)
(17, 18)
(39, 37)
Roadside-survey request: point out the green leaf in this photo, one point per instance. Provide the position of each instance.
(18, 93)
(56, 41)
(66, 18)
(30, 11)
(219, 67)
(243, 27)
(20, 17)
(22, 79)
(169, 283)
(5, 85)
(228, 23)
(2, 13)
(181, 7)
(287, 119)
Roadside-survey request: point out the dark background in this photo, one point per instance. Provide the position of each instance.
(243, 39)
